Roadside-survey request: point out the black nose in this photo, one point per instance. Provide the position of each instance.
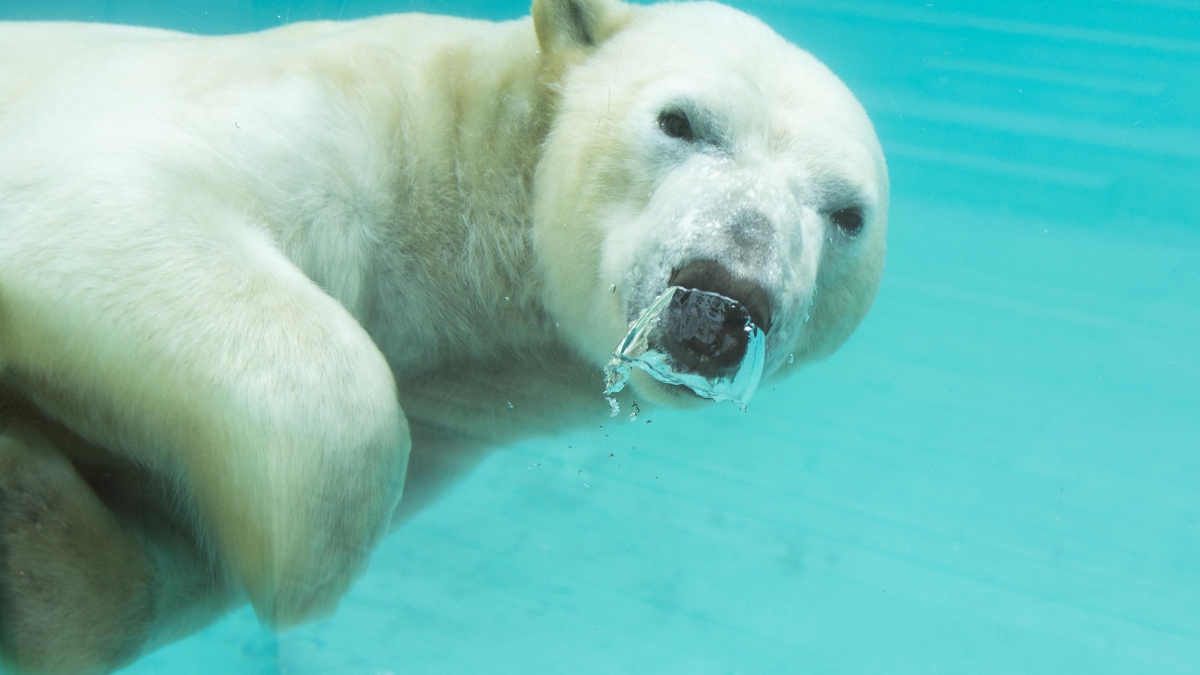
(712, 276)
(705, 334)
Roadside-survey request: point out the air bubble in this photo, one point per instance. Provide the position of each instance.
(639, 349)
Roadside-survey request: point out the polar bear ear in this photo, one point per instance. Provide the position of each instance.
(576, 24)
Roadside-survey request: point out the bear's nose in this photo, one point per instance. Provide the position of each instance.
(705, 334)
(712, 276)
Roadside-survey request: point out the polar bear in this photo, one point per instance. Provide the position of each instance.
(255, 288)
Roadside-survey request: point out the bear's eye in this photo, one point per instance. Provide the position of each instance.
(849, 220)
(676, 125)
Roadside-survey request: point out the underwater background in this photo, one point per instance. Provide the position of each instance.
(999, 473)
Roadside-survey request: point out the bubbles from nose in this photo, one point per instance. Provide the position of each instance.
(713, 277)
(705, 333)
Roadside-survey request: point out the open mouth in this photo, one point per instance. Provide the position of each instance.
(706, 329)
(698, 337)
(712, 276)
(704, 332)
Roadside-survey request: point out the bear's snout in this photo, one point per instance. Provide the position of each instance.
(707, 335)
(712, 276)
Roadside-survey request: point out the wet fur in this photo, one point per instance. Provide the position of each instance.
(266, 281)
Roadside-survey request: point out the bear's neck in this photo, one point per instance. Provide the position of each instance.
(448, 125)
(498, 362)
(430, 245)
(459, 279)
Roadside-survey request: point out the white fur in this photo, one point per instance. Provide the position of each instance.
(231, 259)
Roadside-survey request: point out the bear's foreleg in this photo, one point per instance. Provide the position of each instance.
(94, 568)
(75, 586)
(202, 353)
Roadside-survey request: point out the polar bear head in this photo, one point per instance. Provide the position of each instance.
(692, 146)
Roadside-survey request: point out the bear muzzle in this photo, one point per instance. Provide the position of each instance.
(706, 334)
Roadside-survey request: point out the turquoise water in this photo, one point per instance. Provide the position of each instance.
(999, 473)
